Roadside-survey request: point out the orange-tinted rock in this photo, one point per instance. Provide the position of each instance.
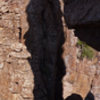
(13, 54)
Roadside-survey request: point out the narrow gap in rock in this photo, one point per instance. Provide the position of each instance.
(20, 33)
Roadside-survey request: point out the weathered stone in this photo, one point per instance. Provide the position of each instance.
(18, 47)
(1, 65)
(22, 55)
(13, 54)
(22, 70)
(81, 74)
(27, 93)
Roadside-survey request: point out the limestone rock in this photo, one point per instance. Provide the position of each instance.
(13, 54)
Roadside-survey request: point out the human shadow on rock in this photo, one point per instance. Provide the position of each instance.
(44, 41)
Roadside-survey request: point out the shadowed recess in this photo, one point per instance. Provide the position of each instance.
(90, 96)
(44, 41)
(89, 35)
(74, 97)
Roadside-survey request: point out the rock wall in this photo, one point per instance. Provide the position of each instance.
(82, 75)
(17, 78)
(81, 52)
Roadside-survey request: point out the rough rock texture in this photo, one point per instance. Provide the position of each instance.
(16, 77)
(82, 74)
(25, 73)
(20, 62)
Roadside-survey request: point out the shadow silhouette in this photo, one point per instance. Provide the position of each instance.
(74, 97)
(78, 97)
(44, 41)
(90, 35)
(90, 96)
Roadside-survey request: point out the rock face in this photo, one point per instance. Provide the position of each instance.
(36, 64)
(35, 70)
(16, 77)
(82, 70)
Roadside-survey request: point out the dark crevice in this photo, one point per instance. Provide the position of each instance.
(90, 35)
(17, 83)
(44, 41)
(74, 97)
(20, 33)
(90, 96)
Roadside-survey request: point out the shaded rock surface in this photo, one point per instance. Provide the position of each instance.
(82, 12)
(19, 79)
(82, 74)
(44, 41)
